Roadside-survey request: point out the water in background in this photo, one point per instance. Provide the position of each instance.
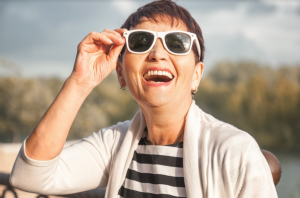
(289, 185)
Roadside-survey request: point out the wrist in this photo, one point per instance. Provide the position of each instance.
(83, 89)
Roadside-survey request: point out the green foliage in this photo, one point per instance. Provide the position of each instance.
(262, 101)
(24, 101)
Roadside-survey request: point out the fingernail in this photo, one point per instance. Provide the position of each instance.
(110, 41)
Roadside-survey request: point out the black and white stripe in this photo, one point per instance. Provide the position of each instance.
(155, 172)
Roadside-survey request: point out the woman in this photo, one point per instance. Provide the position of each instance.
(171, 148)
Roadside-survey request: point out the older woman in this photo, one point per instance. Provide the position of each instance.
(171, 148)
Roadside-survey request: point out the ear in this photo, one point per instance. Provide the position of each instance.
(197, 75)
(120, 73)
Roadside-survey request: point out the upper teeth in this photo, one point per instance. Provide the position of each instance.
(159, 72)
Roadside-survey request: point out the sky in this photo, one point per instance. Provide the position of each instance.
(39, 38)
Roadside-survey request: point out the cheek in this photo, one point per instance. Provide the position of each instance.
(131, 67)
(186, 69)
(132, 64)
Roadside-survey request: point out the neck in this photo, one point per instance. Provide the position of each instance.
(166, 123)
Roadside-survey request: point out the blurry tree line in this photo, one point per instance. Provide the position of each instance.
(24, 101)
(263, 101)
(255, 98)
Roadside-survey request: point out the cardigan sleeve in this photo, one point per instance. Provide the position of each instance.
(256, 179)
(80, 167)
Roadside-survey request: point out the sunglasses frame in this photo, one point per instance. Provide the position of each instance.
(162, 36)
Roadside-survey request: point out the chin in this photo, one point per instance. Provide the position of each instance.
(154, 100)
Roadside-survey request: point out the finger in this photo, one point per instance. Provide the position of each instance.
(101, 38)
(121, 30)
(112, 32)
(96, 37)
(115, 51)
(107, 36)
(117, 32)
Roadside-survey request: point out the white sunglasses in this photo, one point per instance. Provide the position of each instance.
(175, 42)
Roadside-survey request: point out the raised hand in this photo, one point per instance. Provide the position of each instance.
(97, 56)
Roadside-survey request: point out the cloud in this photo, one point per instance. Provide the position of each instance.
(33, 33)
(51, 30)
(272, 30)
(260, 8)
(298, 10)
(125, 8)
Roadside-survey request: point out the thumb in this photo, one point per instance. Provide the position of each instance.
(115, 52)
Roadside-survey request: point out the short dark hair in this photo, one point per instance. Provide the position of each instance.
(172, 12)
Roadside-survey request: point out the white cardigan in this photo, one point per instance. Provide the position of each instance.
(219, 161)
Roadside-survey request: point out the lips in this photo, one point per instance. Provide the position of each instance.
(158, 76)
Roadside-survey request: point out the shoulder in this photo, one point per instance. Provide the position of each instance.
(115, 132)
(112, 133)
(226, 137)
(109, 137)
(232, 148)
(237, 157)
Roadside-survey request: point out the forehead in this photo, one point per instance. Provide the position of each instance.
(161, 25)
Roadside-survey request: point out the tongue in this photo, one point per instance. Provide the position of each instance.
(158, 78)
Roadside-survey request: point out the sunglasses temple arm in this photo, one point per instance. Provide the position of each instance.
(198, 48)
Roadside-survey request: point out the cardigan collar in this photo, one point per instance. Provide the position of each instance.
(190, 153)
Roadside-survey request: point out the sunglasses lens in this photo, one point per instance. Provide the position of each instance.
(178, 42)
(140, 41)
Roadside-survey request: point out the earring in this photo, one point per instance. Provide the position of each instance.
(121, 87)
(194, 91)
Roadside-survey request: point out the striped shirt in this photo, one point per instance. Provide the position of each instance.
(155, 171)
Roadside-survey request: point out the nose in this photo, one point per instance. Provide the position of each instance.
(158, 52)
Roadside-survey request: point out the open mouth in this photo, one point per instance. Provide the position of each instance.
(158, 76)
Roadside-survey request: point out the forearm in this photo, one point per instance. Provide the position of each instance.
(47, 139)
(65, 174)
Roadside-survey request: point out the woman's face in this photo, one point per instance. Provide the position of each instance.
(186, 72)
